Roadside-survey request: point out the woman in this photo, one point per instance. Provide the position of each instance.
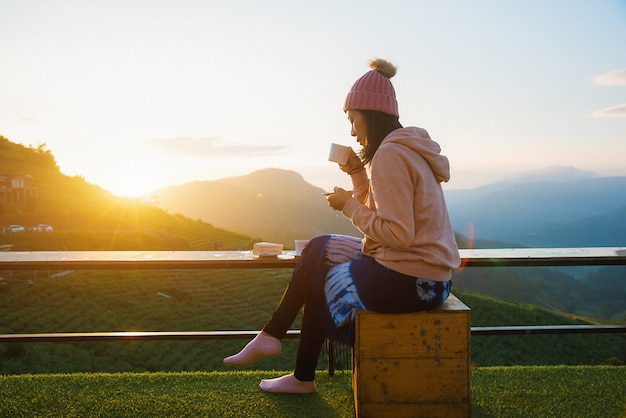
(405, 260)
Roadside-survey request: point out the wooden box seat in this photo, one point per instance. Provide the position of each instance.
(413, 365)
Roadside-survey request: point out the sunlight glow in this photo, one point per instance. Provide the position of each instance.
(213, 90)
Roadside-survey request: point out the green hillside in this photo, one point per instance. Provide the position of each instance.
(602, 294)
(186, 300)
(86, 217)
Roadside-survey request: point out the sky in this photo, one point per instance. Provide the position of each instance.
(135, 95)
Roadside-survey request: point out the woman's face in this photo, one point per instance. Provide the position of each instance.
(358, 126)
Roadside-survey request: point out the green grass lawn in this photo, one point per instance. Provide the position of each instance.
(579, 391)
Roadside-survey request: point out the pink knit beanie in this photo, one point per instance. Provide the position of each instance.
(374, 91)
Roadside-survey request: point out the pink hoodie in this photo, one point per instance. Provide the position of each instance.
(402, 211)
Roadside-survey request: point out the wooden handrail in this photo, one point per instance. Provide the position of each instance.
(148, 260)
(544, 257)
(548, 329)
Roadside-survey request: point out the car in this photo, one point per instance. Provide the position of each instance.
(43, 228)
(14, 228)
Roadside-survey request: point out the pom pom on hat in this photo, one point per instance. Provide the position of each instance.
(384, 67)
(374, 91)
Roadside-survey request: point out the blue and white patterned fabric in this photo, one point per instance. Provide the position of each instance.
(355, 281)
(347, 280)
(342, 295)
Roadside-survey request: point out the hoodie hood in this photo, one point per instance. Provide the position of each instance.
(418, 140)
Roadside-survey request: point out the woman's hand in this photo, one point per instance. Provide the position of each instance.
(338, 199)
(353, 163)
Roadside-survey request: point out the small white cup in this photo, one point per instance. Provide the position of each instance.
(339, 153)
(300, 244)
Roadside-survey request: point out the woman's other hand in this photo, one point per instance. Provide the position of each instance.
(338, 199)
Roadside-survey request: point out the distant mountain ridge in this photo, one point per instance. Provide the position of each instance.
(582, 212)
(276, 205)
(279, 205)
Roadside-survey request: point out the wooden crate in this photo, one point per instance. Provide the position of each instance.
(413, 365)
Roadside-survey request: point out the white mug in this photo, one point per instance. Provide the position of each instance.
(339, 153)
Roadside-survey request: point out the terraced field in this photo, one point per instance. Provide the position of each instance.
(190, 300)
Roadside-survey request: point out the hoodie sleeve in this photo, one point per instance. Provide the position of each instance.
(389, 217)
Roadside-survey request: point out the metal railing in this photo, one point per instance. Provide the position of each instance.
(293, 333)
(122, 260)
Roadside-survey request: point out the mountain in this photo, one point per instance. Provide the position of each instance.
(608, 229)
(582, 212)
(568, 210)
(87, 217)
(279, 205)
(276, 205)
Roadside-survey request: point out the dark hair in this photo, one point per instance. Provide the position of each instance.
(378, 125)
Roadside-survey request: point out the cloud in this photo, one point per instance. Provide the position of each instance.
(618, 111)
(612, 78)
(212, 147)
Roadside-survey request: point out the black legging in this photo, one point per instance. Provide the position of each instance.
(306, 289)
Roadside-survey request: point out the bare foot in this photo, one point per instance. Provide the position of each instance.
(262, 346)
(287, 384)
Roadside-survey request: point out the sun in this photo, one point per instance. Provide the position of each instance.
(126, 170)
(131, 180)
(130, 188)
